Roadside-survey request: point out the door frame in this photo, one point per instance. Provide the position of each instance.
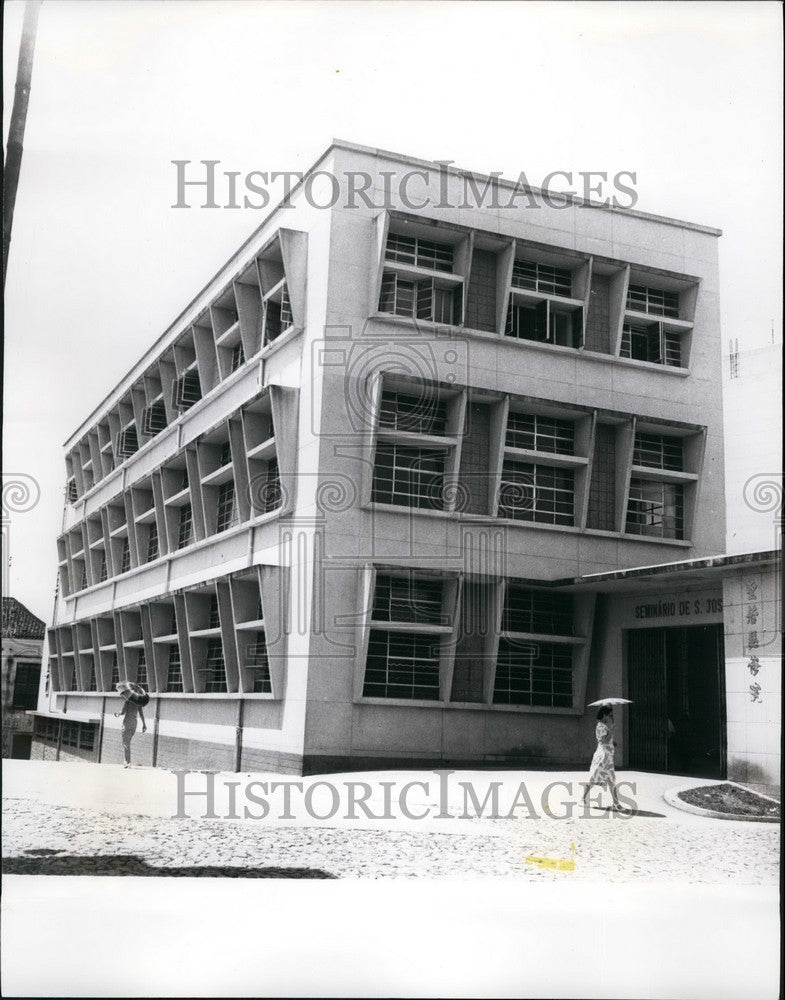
(23, 736)
(722, 703)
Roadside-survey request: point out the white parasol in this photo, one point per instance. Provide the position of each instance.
(609, 701)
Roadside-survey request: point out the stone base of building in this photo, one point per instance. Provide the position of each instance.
(171, 754)
(323, 764)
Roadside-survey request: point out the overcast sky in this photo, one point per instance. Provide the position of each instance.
(686, 95)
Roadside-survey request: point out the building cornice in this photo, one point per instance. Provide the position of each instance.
(230, 266)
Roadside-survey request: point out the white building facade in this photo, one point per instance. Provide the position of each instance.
(373, 497)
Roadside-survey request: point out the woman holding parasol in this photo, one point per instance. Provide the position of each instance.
(134, 699)
(602, 770)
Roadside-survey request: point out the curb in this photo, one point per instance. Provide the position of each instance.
(671, 796)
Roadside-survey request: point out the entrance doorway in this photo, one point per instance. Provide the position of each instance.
(21, 744)
(676, 677)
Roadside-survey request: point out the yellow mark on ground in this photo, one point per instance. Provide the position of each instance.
(557, 864)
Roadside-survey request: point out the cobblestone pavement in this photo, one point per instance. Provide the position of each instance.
(42, 838)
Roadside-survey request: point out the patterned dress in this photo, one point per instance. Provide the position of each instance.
(602, 770)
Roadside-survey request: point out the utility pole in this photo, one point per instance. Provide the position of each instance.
(16, 130)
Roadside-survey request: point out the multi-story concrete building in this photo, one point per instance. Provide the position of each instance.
(373, 497)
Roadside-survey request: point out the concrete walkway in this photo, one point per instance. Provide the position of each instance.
(665, 905)
(432, 827)
(148, 791)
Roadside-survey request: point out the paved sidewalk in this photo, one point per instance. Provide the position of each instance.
(89, 819)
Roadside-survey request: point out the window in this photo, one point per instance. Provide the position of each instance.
(174, 676)
(87, 469)
(545, 323)
(127, 442)
(286, 308)
(408, 599)
(398, 296)
(225, 455)
(257, 664)
(91, 681)
(418, 252)
(141, 669)
(47, 730)
(214, 620)
(238, 357)
(26, 685)
(69, 677)
(422, 299)
(416, 414)
(277, 314)
(185, 532)
(537, 433)
(125, 559)
(103, 572)
(655, 509)
(215, 671)
(115, 673)
(537, 493)
(651, 343)
(152, 543)
(83, 579)
(154, 418)
(538, 277)
(658, 452)
(537, 611)
(70, 491)
(402, 665)
(79, 735)
(653, 300)
(533, 673)
(227, 507)
(70, 737)
(271, 493)
(86, 736)
(411, 477)
(187, 390)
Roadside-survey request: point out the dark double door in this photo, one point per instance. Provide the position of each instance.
(676, 679)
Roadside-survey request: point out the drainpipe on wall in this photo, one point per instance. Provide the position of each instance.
(101, 730)
(155, 731)
(238, 736)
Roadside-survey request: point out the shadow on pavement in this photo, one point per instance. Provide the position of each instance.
(129, 864)
(625, 813)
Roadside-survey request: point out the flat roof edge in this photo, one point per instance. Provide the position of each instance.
(140, 366)
(724, 561)
(143, 363)
(510, 184)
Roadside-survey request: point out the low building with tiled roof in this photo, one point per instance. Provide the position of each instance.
(19, 622)
(23, 638)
